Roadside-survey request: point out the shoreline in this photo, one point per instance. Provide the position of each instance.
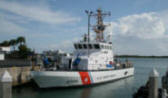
(138, 56)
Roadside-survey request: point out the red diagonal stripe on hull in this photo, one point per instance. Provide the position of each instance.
(85, 78)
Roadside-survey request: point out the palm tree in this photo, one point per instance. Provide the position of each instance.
(13, 43)
(21, 40)
(5, 43)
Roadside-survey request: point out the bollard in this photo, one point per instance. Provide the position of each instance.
(164, 93)
(6, 85)
(153, 84)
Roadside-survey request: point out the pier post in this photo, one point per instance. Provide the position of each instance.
(153, 84)
(164, 93)
(6, 85)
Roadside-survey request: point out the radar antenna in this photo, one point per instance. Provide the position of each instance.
(100, 27)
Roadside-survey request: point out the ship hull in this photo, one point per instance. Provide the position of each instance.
(49, 79)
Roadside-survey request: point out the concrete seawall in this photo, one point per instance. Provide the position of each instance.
(20, 75)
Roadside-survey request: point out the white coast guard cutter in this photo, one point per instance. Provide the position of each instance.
(92, 62)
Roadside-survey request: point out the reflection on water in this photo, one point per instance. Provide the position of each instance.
(106, 90)
(86, 93)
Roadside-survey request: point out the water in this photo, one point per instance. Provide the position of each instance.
(119, 89)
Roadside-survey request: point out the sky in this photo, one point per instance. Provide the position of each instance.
(137, 27)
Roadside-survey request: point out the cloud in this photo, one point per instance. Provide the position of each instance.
(38, 13)
(8, 27)
(143, 26)
(141, 34)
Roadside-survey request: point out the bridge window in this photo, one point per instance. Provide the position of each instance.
(85, 46)
(80, 46)
(76, 46)
(90, 46)
(97, 46)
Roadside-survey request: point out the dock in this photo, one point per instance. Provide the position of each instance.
(20, 75)
(151, 89)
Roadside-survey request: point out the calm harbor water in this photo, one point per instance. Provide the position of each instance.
(119, 89)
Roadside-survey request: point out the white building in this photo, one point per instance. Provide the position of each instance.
(3, 50)
(2, 56)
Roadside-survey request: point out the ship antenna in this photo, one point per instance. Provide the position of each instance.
(89, 13)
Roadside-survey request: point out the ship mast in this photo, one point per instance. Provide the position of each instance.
(100, 27)
(89, 13)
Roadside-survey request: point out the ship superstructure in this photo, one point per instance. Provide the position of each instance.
(94, 54)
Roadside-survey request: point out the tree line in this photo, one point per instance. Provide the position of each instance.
(14, 42)
(20, 42)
